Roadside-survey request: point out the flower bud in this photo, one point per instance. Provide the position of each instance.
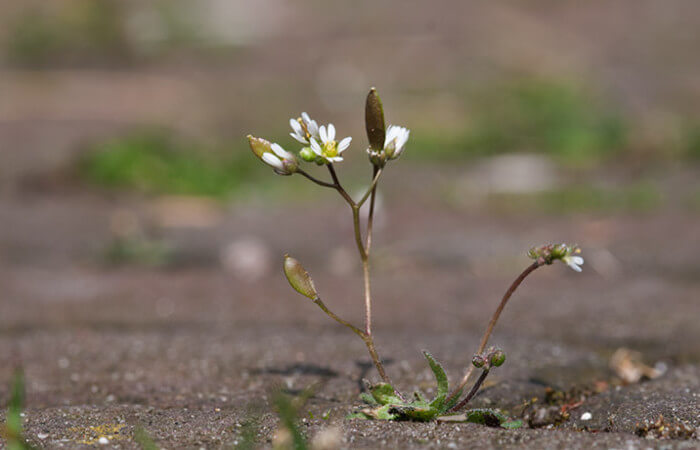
(259, 146)
(299, 278)
(374, 121)
(478, 361)
(281, 161)
(307, 154)
(498, 357)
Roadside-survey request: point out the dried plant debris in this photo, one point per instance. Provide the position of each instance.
(557, 406)
(663, 429)
(629, 366)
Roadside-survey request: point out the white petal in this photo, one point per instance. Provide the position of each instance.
(279, 151)
(273, 161)
(299, 138)
(322, 133)
(335, 158)
(345, 143)
(312, 127)
(390, 135)
(316, 147)
(296, 127)
(305, 117)
(331, 131)
(577, 260)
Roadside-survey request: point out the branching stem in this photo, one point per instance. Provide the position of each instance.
(316, 180)
(492, 324)
(366, 335)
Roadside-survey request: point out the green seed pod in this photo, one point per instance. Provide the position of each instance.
(498, 358)
(374, 120)
(299, 278)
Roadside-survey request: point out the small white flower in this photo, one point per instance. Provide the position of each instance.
(573, 261)
(394, 144)
(395, 141)
(311, 125)
(304, 129)
(328, 150)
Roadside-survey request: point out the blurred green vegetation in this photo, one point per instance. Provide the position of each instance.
(156, 162)
(39, 36)
(95, 32)
(542, 116)
(138, 251)
(691, 140)
(633, 198)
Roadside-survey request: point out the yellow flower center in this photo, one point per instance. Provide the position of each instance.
(330, 149)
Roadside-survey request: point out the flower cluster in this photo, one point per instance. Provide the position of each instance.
(321, 147)
(568, 254)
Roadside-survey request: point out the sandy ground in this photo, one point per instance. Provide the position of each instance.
(192, 351)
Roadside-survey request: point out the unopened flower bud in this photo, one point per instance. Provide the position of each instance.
(259, 146)
(282, 161)
(498, 357)
(299, 278)
(307, 154)
(478, 361)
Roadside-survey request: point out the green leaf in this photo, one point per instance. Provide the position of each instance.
(486, 416)
(357, 415)
(512, 424)
(386, 412)
(441, 378)
(367, 398)
(414, 411)
(419, 397)
(384, 394)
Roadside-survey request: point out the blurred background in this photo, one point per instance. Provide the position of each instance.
(129, 196)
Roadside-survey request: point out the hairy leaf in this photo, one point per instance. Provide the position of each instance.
(441, 378)
(384, 394)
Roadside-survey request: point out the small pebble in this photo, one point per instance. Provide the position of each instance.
(42, 436)
(586, 416)
(103, 440)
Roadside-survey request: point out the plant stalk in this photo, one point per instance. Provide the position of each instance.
(366, 335)
(492, 323)
(473, 391)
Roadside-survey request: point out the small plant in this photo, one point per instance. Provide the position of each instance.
(12, 430)
(385, 401)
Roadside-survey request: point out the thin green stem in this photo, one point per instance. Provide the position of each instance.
(368, 297)
(370, 216)
(473, 390)
(339, 187)
(316, 180)
(333, 316)
(372, 187)
(358, 232)
(492, 323)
